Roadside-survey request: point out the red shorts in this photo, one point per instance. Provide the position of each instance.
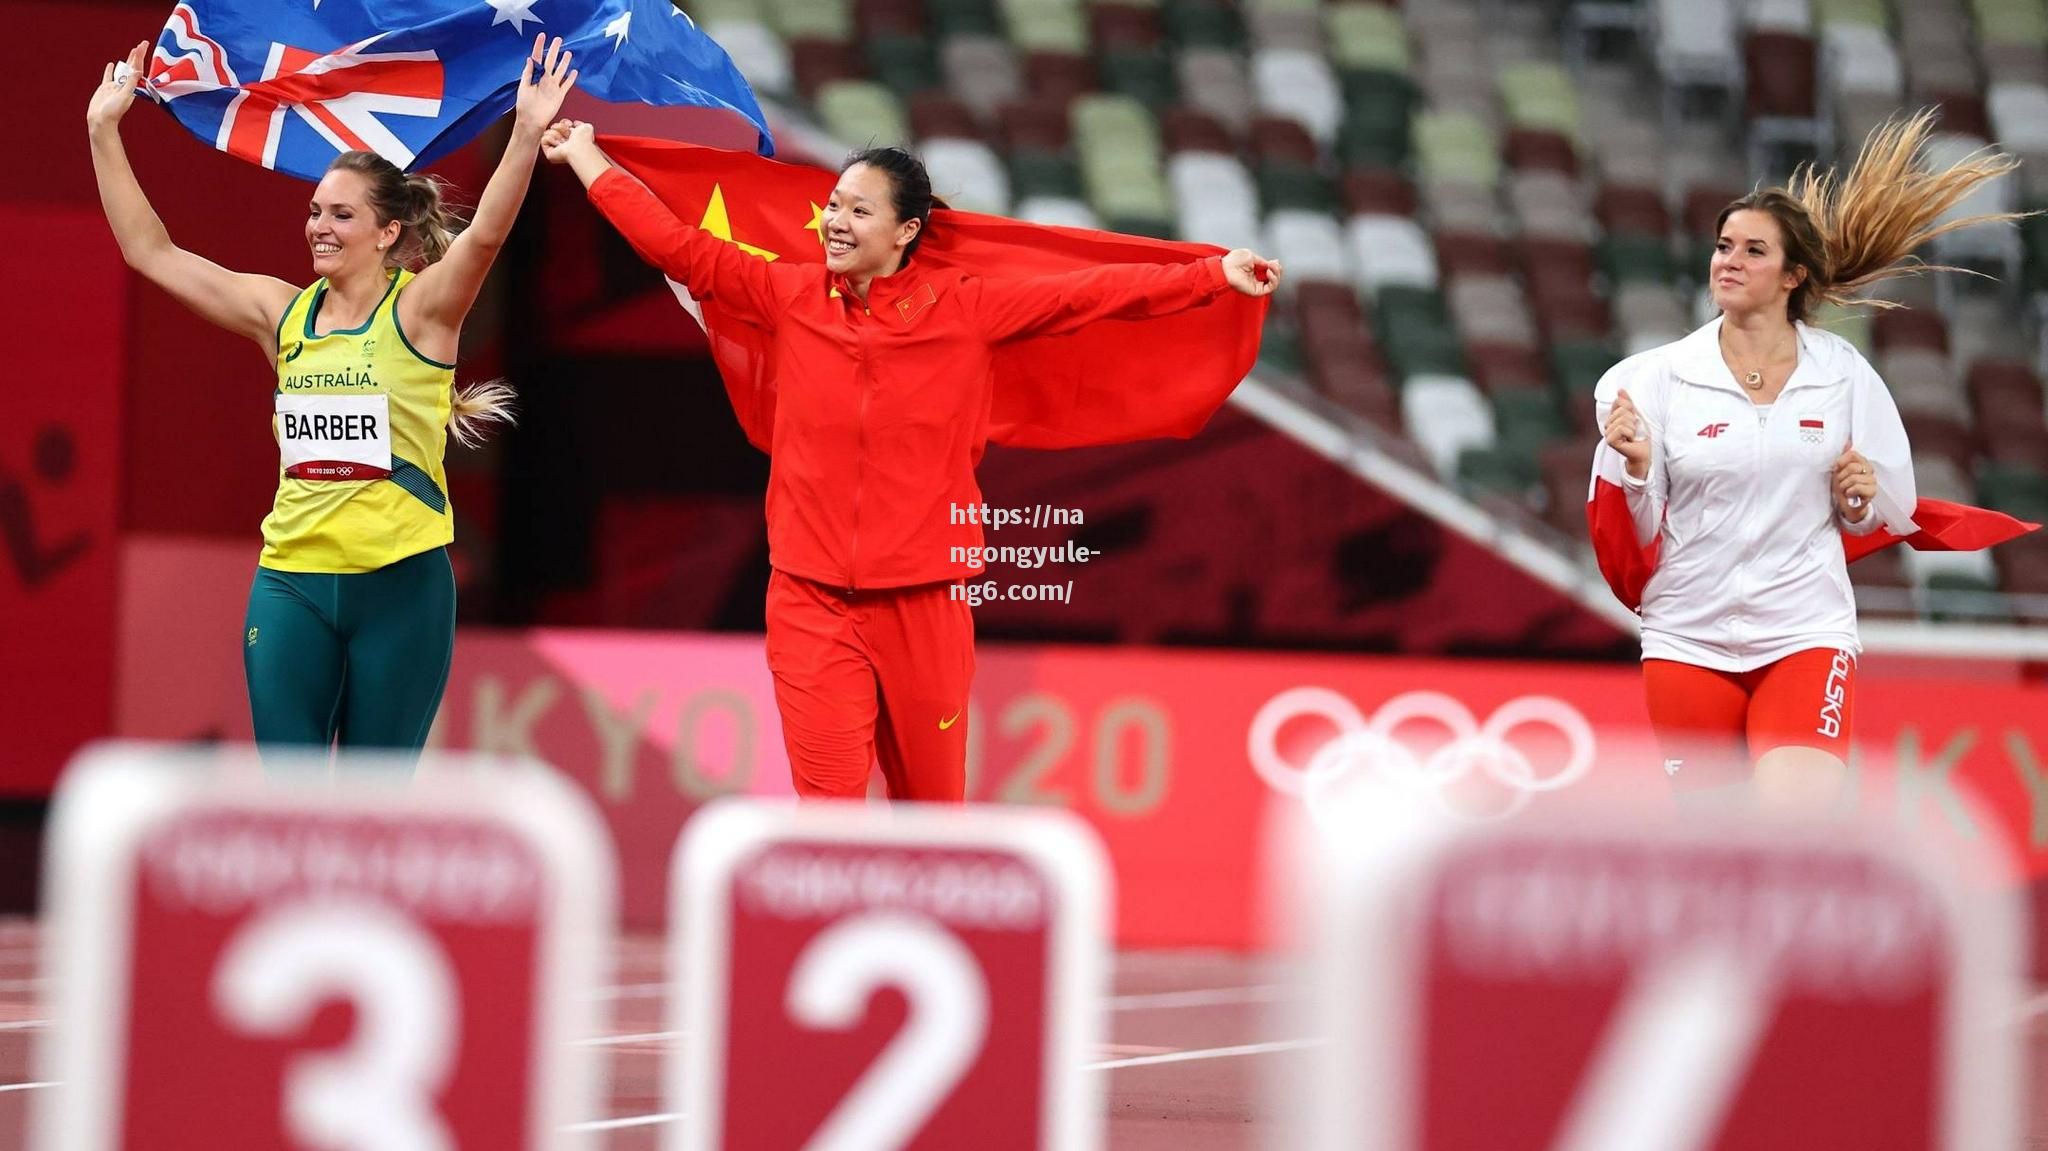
(1712, 725)
(871, 676)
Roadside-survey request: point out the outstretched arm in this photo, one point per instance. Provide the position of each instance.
(752, 288)
(1050, 305)
(435, 303)
(245, 304)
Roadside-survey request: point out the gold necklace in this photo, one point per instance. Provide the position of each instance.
(1752, 379)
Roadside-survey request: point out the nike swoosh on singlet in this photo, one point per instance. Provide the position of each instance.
(946, 723)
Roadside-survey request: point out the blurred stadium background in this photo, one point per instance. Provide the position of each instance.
(1481, 205)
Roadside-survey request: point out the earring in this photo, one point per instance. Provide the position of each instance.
(380, 247)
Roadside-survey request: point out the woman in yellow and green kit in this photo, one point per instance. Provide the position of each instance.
(351, 620)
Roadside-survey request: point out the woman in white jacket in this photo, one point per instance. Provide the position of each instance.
(1742, 454)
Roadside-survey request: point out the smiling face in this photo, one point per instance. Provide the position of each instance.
(863, 237)
(341, 227)
(1749, 272)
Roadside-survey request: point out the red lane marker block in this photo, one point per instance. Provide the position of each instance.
(281, 962)
(1550, 989)
(914, 978)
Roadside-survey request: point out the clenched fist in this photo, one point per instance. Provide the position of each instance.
(1628, 433)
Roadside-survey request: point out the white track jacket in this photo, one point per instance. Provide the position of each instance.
(1739, 501)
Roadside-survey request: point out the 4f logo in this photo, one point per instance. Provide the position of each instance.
(250, 639)
(1713, 430)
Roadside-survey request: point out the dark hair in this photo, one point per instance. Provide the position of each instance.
(1853, 231)
(427, 222)
(910, 187)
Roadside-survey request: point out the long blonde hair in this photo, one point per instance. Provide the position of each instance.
(1856, 231)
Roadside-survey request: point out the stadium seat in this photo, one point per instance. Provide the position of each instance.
(2019, 115)
(904, 63)
(862, 113)
(1204, 24)
(1415, 332)
(1455, 149)
(873, 18)
(1649, 315)
(1528, 421)
(812, 19)
(1490, 309)
(1471, 253)
(1214, 80)
(1541, 97)
(982, 71)
(1378, 113)
(1626, 259)
(1287, 26)
(1498, 368)
(967, 174)
(1377, 192)
(1920, 380)
(936, 115)
(1445, 415)
(1630, 211)
(817, 63)
(1549, 205)
(1898, 328)
(1390, 250)
(1187, 129)
(1309, 244)
(1795, 16)
(952, 19)
(1214, 198)
(1125, 25)
(761, 55)
(1534, 150)
(1458, 207)
(1146, 74)
(1065, 211)
(1365, 36)
(1299, 85)
(1046, 26)
(1576, 367)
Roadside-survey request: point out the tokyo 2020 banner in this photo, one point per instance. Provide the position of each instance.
(1177, 757)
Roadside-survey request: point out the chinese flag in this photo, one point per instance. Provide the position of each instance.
(1112, 382)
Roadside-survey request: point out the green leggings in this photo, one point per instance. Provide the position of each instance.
(359, 659)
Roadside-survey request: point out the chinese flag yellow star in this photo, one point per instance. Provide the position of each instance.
(719, 224)
(817, 224)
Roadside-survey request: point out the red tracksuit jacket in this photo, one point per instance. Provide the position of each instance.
(882, 409)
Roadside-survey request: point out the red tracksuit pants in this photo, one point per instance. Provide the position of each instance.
(872, 676)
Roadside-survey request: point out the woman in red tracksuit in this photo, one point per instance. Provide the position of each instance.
(883, 380)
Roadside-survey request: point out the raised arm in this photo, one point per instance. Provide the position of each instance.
(1050, 305)
(434, 304)
(246, 304)
(753, 289)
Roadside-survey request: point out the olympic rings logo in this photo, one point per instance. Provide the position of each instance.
(1370, 749)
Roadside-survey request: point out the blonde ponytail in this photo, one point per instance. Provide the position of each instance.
(477, 409)
(1853, 232)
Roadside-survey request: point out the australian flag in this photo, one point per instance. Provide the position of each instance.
(288, 84)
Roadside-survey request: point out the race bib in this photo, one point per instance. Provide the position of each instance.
(322, 437)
